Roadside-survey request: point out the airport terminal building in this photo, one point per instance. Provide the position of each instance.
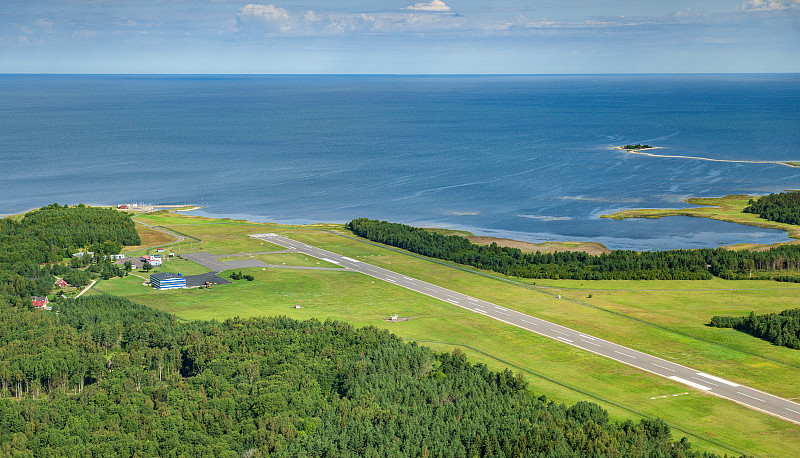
(167, 280)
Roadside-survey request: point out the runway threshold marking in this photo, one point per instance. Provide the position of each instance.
(625, 354)
(564, 339)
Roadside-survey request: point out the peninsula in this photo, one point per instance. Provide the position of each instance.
(640, 149)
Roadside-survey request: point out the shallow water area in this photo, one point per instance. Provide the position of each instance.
(640, 234)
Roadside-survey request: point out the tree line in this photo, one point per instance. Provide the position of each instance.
(779, 328)
(783, 207)
(108, 377)
(698, 264)
(33, 246)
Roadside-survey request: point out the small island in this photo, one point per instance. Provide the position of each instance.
(637, 146)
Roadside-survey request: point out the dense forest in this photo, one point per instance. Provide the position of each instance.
(699, 264)
(108, 377)
(779, 328)
(782, 208)
(29, 247)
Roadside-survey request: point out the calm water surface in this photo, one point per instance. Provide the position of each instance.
(525, 157)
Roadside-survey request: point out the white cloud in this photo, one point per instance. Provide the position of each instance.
(44, 23)
(770, 5)
(265, 20)
(267, 13)
(312, 16)
(267, 17)
(433, 5)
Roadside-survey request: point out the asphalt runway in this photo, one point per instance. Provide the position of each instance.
(749, 397)
(211, 261)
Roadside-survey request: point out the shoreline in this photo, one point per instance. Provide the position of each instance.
(793, 164)
(591, 246)
(727, 208)
(707, 210)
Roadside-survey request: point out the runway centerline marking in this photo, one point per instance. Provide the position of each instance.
(663, 367)
(717, 379)
(625, 354)
(751, 397)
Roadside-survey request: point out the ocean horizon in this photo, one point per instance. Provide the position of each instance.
(527, 157)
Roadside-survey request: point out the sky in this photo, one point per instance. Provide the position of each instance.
(399, 36)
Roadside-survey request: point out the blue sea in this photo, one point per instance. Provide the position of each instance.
(524, 157)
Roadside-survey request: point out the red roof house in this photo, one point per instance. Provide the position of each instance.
(61, 283)
(39, 301)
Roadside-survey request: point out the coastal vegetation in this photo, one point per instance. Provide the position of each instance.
(700, 264)
(107, 376)
(32, 248)
(654, 316)
(779, 328)
(783, 207)
(270, 386)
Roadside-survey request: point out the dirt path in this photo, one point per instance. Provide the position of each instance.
(86, 288)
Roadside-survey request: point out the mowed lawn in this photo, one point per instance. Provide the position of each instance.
(662, 318)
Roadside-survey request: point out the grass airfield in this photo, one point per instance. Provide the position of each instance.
(663, 318)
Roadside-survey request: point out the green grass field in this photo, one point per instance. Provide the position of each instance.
(663, 318)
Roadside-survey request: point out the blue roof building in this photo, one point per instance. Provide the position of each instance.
(167, 280)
